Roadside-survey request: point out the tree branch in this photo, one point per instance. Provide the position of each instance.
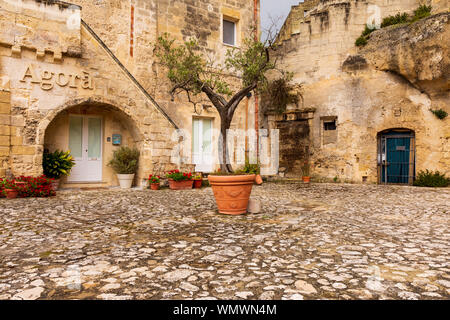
(237, 98)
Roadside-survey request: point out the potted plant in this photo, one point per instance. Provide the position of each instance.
(198, 181)
(179, 180)
(125, 163)
(306, 172)
(255, 169)
(57, 165)
(9, 189)
(155, 182)
(232, 191)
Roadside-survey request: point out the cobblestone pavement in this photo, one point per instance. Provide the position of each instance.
(328, 241)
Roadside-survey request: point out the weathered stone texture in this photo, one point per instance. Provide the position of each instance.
(393, 82)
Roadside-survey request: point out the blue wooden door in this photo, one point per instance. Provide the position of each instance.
(397, 155)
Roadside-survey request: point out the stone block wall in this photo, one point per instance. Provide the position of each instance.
(5, 131)
(383, 86)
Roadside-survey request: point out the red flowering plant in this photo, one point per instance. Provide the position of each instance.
(176, 175)
(154, 179)
(6, 184)
(39, 187)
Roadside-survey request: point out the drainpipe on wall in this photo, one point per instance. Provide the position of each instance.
(256, 20)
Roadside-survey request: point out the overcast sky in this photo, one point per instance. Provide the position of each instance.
(277, 9)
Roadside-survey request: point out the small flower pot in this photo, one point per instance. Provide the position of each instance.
(55, 184)
(198, 184)
(11, 193)
(232, 193)
(155, 186)
(258, 179)
(306, 179)
(180, 185)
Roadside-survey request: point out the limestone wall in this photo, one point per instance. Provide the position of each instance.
(391, 83)
(41, 87)
(131, 28)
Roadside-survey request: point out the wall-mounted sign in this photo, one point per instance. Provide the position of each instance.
(116, 139)
(47, 79)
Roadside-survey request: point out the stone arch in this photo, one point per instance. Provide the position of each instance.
(93, 100)
(122, 115)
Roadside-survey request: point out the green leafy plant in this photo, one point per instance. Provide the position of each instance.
(251, 168)
(154, 179)
(361, 41)
(399, 18)
(440, 113)
(177, 175)
(197, 176)
(57, 164)
(431, 179)
(421, 12)
(125, 160)
(277, 94)
(191, 71)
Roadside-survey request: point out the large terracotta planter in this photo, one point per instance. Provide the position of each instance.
(232, 192)
(306, 179)
(180, 185)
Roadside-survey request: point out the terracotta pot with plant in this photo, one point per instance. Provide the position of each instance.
(57, 165)
(180, 180)
(9, 189)
(253, 168)
(155, 182)
(306, 172)
(232, 191)
(125, 163)
(198, 181)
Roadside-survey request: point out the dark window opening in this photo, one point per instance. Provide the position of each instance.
(329, 125)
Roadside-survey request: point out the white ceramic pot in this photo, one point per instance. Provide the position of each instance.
(125, 180)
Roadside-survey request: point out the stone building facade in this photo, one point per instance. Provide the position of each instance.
(364, 113)
(93, 84)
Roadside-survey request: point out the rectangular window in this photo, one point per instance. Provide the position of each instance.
(229, 32)
(329, 130)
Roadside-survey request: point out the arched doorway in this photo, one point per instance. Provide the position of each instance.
(92, 131)
(396, 156)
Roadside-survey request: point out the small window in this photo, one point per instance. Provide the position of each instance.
(229, 32)
(329, 125)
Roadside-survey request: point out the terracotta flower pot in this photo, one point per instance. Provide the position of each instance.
(232, 193)
(11, 193)
(258, 179)
(198, 184)
(55, 184)
(155, 186)
(306, 179)
(180, 185)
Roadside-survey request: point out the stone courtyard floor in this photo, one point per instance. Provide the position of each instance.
(328, 241)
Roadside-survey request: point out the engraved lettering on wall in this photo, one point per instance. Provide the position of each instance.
(47, 79)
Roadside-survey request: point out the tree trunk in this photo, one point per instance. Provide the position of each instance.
(225, 165)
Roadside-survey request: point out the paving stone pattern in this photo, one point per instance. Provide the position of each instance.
(326, 241)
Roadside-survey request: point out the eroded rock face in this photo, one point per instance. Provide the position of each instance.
(418, 52)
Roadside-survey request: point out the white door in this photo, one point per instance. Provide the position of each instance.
(202, 145)
(85, 144)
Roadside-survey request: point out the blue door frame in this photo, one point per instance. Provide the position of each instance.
(396, 157)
